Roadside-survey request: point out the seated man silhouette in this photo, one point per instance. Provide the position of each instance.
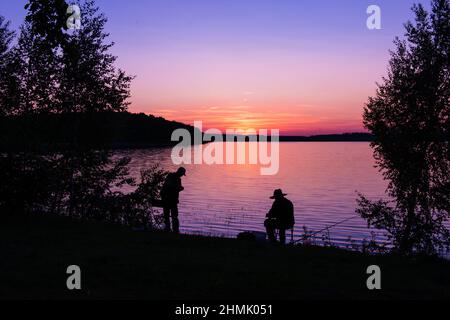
(170, 193)
(280, 217)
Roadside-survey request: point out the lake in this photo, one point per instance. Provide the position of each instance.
(320, 178)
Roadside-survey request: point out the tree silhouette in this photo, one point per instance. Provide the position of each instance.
(60, 71)
(33, 70)
(6, 37)
(47, 19)
(89, 80)
(70, 74)
(409, 117)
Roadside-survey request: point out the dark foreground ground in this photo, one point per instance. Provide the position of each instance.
(121, 264)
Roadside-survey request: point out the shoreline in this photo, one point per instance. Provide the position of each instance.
(118, 263)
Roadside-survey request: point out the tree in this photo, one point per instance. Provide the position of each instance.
(409, 117)
(54, 70)
(47, 19)
(89, 83)
(63, 71)
(33, 71)
(89, 79)
(6, 37)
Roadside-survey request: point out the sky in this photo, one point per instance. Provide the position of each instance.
(302, 66)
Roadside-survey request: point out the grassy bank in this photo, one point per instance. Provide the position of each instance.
(119, 263)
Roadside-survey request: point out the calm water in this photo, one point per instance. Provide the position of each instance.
(321, 179)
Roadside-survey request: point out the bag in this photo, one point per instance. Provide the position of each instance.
(271, 223)
(291, 220)
(287, 220)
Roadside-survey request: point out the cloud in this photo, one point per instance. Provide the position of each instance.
(288, 120)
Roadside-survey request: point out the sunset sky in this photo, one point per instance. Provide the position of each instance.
(304, 67)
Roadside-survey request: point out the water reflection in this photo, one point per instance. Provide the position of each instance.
(321, 179)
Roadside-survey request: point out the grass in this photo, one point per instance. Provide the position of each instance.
(118, 263)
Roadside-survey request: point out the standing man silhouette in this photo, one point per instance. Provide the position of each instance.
(280, 216)
(170, 193)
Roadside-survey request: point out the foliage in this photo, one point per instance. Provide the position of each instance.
(69, 73)
(26, 182)
(89, 79)
(82, 186)
(409, 117)
(6, 37)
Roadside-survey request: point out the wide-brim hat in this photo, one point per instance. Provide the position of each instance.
(278, 193)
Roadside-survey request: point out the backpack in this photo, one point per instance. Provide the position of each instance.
(288, 214)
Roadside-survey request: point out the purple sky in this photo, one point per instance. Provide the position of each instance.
(304, 67)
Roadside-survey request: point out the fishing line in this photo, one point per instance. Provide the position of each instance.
(329, 227)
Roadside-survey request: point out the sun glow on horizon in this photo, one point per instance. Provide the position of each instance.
(244, 117)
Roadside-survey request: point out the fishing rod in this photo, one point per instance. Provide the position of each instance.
(329, 227)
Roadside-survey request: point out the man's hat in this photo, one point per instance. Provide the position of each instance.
(278, 194)
(181, 171)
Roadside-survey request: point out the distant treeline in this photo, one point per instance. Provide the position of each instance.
(113, 130)
(331, 137)
(318, 138)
